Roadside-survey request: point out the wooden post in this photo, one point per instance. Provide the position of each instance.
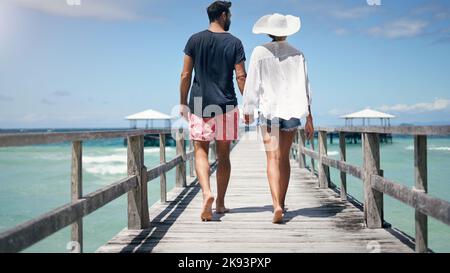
(212, 151)
(324, 181)
(301, 144)
(313, 168)
(181, 168)
(291, 150)
(342, 152)
(421, 184)
(138, 215)
(373, 199)
(77, 193)
(162, 160)
(192, 161)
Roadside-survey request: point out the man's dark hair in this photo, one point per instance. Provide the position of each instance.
(216, 9)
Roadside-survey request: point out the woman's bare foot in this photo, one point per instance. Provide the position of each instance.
(206, 214)
(277, 215)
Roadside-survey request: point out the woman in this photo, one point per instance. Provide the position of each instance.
(277, 86)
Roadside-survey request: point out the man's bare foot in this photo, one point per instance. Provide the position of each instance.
(206, 214)
(222, 210)
(277, 215)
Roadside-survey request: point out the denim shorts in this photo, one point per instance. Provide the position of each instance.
(283, 124)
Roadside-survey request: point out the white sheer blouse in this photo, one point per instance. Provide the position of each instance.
(277, 82)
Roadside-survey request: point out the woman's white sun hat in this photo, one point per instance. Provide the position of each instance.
(277, 25)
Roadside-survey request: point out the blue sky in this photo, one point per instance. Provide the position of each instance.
(90, 65)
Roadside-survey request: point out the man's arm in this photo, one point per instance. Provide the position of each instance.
(185, 85)
(241, 76)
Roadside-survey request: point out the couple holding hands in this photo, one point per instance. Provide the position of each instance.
(275, 93)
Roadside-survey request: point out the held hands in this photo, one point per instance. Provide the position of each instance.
(309, 127)
(248, 119)
(184, 112)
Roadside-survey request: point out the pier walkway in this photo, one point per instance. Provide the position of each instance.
(316, 221)
(321, 215)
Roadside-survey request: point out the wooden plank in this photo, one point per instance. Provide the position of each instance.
(101, 197)
(212, 151)
(324, 180)
(27, 139)
(312, 154)
(354, 171)
(424, 203)
(191, 159)
(400, 130)
(180, 175)
(76, 190)
(313, 167)
(157, 171)
(373, 199)
(317, 220)
(343, 157)
(301, 144)
(31, 232)
(421, 185)
(137, 206)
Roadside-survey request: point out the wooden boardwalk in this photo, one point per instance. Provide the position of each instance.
(317, 220)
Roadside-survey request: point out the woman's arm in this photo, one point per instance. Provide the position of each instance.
(309, 126)
(252, 88)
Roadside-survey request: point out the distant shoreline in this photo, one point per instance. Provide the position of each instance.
(50, 129)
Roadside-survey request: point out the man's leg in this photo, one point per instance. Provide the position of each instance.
(202, 168)
(223, 174)
(227, 127)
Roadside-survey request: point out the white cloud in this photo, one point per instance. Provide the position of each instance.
(99, 9)
(353, 13)
(337, 112)
(30, 118)
(48, 102)
(8, 25)
(437, 105)
(61, 93)
(442, 15)
(341, 31)
(36, 117)
(5, 98)
(402, 28)
(438, 11)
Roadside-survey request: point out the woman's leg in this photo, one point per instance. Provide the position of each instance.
(286, 140)
(271, 144)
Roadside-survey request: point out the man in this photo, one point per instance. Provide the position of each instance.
(214, 55)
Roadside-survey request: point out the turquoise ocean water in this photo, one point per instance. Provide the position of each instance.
(36, 179)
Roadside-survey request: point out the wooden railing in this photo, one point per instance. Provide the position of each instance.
(374, 184)
(135, 185)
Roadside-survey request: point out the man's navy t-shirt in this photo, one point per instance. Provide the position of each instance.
(214, 55)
